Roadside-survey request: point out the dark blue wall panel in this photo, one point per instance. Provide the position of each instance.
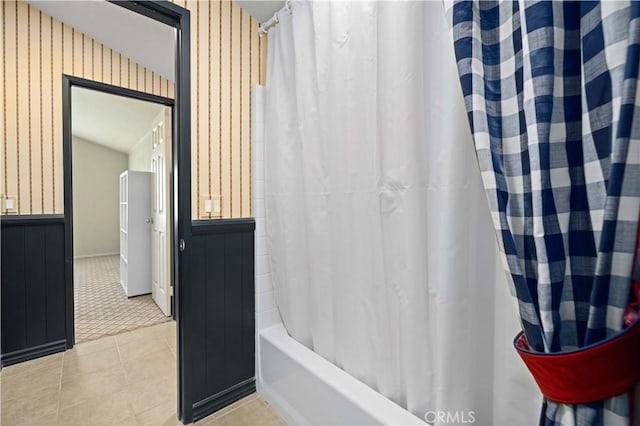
(220, 323)
(33, 287)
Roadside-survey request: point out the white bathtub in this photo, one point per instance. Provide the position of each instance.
(301, 386)
(304, 388)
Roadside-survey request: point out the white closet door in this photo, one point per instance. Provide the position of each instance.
(161, 289)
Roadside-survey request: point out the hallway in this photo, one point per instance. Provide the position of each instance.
(101, 306)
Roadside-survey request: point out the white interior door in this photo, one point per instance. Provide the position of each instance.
(161, 289)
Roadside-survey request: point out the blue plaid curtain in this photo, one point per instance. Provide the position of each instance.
(551, 92)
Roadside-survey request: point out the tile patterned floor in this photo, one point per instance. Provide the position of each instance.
(123, 380)
(101, 306)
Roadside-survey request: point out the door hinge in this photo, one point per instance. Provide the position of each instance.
(181, 245)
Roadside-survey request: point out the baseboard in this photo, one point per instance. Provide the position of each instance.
(32, 353)
(86, 256)
(220, 400)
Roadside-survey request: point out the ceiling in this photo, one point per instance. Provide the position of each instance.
(146, 41)
(261, 10)
(113, 121)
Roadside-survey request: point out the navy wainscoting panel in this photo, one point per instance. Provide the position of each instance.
(220, 324)
(33, 287)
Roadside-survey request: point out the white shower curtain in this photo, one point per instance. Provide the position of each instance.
(380, 239)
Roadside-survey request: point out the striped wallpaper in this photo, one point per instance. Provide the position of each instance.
(228, 57)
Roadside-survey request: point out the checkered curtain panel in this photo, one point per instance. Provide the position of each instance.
(551, 92)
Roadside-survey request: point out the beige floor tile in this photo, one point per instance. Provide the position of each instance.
(108, 410)
(93, 346)
(251, 410)
(208, 421)
(170, 335)
(90, 363)
(172, 344)
(28, 383)
(129, 421)
(255, 413)
(147, 394)
(136, 335)
(27, 410)
(174, 353)
(142, 348)
(93, 387)
(161, 363)
(169, 326)
(160, 415)
(247, 399)
(39, 420)
(49, 361)
(87, 386)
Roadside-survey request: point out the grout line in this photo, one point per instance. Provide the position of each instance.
(60, 389)
(166, 340)
(124, 372)
(126, 377)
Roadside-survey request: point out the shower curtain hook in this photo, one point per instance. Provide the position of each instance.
(287, 6)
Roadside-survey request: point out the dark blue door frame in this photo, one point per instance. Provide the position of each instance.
(178, 17)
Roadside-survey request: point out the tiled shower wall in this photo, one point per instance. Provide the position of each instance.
(266, 310)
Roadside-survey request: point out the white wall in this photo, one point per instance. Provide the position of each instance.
(140, 154)
(95, 173)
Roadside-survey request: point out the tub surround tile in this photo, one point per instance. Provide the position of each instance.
(265, 302)
(268, 318)
(262, 265)
(263, 284)
(260, 246)
(260, 229)
(258, 193)
(259, 205)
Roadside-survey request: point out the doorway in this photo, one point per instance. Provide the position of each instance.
(177, 17)
(122, 204)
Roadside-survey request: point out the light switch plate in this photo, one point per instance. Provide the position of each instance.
(10, 204)
(205, 200)
(210, 206)
(216, 205)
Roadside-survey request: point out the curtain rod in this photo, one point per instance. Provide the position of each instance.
(263, 28)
